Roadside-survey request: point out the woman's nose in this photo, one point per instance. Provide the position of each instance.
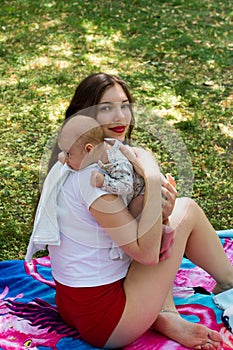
(118, 114)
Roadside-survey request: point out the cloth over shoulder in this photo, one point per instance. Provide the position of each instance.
(46, 229)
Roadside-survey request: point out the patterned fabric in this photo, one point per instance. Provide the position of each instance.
(119, 175)
(29, 317)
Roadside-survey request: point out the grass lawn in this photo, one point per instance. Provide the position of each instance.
(177, 58)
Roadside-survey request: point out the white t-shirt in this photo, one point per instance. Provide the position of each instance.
(83, 258)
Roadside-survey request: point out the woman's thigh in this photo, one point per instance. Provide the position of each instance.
(146, 287)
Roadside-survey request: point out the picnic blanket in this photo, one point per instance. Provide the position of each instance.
(29, 318)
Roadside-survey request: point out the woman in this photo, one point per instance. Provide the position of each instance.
(115, 302)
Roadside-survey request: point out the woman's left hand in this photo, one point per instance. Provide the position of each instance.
(169, 193)
(143, 161)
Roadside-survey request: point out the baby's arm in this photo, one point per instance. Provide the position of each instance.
(97, 179)
(116, 179)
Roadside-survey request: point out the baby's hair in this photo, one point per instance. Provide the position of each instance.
(94, 136)
(80, 129)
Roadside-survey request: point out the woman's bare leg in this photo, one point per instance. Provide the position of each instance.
(204, 247)
(220, 268)
(147, 287)
(169, 304)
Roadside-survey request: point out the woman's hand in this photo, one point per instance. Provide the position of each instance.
(143, 161)
(169, 196)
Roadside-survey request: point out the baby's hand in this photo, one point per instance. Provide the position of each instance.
(62, 157)
(97, 179)
(167, 242)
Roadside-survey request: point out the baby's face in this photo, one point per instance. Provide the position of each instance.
(76, 157)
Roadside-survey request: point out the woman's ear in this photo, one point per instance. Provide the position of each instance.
(89, 147)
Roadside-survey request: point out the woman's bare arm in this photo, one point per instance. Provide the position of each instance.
(141, 240)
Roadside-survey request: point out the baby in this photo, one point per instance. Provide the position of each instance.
(82, 143)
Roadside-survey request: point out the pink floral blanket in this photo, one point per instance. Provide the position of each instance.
(29, 318)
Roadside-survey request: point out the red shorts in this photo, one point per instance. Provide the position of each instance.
(93, 311)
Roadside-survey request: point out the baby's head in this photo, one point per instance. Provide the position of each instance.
(78, 138)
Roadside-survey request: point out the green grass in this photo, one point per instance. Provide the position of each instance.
(175, 55)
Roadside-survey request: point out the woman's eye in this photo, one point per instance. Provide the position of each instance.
(105, 108)
(125, 106)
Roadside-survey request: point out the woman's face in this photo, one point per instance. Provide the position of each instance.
(114, 113)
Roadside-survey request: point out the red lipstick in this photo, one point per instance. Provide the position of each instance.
(118, 129)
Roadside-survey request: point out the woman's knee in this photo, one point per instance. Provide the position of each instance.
(190, 204)
(184, 214)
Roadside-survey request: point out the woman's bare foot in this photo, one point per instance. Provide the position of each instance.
(191, 335)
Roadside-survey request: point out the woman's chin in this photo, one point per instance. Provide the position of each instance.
(119, 137)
